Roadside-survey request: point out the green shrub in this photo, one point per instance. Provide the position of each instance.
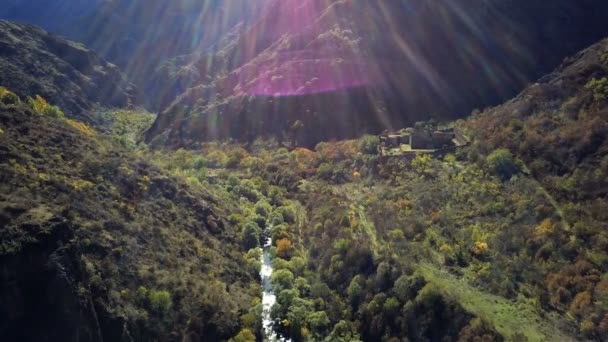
(142, 295)
(160, 301)
(599, 87)
(502, 163)
(282, 279)
(8, 97)
(368, 144)
(325, 171)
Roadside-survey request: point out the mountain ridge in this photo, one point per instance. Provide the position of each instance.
(34, 62)
(409, 62)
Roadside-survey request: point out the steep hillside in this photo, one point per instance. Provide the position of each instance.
(101, 243)
(502, 240)
(559, 129)
(67, 74)
(347, 67)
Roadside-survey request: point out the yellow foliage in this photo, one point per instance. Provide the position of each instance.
(446, 249)
(480, 248)
(81, 184)
(219, 158)
(283, 247)
(422, 162)
(82, 127)
(22, 169)
(40, 106)
(44, 177)
(304, 156)
(357, 175)
(125, 170)
(8, 97)
(543, 231)
(545, 228)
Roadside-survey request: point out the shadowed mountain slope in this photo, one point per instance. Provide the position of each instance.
(67, 74)
(347, 67)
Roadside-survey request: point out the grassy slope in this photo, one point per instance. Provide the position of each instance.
(506, 316)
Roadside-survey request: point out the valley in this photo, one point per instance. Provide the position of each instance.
(260, 183)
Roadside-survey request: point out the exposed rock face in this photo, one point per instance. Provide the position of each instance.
(65, 73)
(347, 67)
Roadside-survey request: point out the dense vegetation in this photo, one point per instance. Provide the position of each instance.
(104, 238)
(100, 242)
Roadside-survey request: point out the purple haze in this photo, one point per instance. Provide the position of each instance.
(325, 59)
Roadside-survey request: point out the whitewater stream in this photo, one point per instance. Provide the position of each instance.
(268, 297)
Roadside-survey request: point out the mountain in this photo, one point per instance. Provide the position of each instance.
(138, 36)
(34, 62)
(343, 68)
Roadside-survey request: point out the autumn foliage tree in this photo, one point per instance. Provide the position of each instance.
(284, 248)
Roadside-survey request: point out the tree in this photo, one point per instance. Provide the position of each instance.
(263, 208)
(355, 291)
(318, 322)
(391, 306)
(284, 248)
(283, 279)
(501, 161)
(244, 336)
(251, 235)
(343, 331)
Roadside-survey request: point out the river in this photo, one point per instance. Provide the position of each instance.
(268, 297)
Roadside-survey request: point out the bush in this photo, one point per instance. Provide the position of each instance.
(325, 171)
(368, 144)
(422, 162)
(599, 87)
(262, 208)
(502, 163)
(160, 301)
(40, 106)
(8, 97)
